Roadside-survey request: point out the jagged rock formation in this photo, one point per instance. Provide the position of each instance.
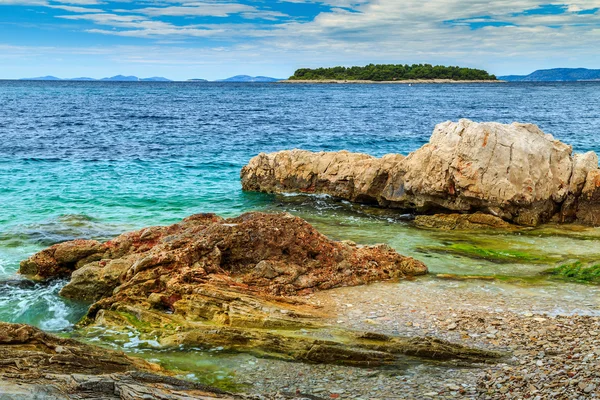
(211, 282)
(36, 365)
(515, 172)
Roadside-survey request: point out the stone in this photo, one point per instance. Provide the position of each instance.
(476, 221)
(514, 172)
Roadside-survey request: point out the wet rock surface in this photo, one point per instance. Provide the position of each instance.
(34, 364)
(477, 221)
(233, 283)
(515, 172)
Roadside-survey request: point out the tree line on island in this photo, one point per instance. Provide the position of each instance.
(393, 72)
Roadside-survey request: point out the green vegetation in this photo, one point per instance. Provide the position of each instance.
(392, 72)
(497, 256)
(577, 272)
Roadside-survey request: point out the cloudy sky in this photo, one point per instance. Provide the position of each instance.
(182, 39)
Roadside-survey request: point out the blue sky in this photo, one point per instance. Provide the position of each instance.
(182, 39)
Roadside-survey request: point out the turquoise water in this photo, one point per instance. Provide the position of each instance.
(91, 159)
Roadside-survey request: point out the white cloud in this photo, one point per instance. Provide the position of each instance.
(23, 2)
(198, 9)
(362, 31)
(76, 9)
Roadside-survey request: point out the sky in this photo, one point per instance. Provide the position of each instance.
(212, 39)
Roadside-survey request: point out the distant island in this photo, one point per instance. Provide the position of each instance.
(557, 75)
(117, 78)
(391, 73)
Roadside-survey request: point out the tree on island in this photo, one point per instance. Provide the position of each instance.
(392, 72)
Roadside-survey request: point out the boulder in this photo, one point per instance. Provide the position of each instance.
(477, 221)
(352, 176)
(276, 254)
(588, 204)
(515, 172)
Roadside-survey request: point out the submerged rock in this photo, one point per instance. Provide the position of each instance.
(477, 221)
(34, 364)
(232, 284)
(515, 172)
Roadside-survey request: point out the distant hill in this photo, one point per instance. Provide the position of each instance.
(42, 78)
(117, 78)
(247, 78)
(121, 78)
(556, 75)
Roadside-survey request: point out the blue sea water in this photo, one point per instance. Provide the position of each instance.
(93, 159)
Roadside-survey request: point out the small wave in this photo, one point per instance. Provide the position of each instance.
(59, 229)
(38, 304)
(152, 117)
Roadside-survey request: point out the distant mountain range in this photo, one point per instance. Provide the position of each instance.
(123, 78)
(117, 78)
(247, 78)
(556, 75)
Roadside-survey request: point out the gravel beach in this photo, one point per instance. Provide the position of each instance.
(550, 334)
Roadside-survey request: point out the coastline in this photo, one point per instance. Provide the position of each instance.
(405, 82)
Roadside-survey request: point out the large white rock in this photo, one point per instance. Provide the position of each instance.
(514, 171)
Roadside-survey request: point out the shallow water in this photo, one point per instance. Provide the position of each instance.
(95, 159)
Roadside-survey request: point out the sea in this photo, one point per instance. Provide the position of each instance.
(95, 159)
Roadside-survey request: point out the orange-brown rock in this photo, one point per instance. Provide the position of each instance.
(234, 283)
(270, 254)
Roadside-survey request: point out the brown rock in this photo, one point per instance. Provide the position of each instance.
(588, 206)
(475, 221)
(275, 254)
(232, 283)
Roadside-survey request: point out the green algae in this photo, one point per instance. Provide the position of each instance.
(209, 367)
(500, 256)
(201, 366)
(576, 272)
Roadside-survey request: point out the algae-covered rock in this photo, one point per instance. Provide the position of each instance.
(577, 272)
(234, 283)
(36, 365)
(477, 221)
(515, 172)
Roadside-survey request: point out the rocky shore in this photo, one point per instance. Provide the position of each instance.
(284, 300)
(514, 172)
(239, 284)
(552, 355)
